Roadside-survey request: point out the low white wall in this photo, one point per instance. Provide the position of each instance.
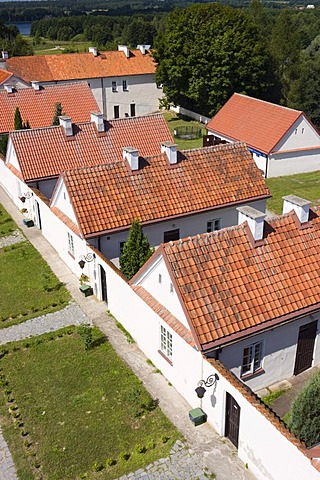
(291, 163)
(189, 113)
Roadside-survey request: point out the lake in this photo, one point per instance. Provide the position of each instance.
(24, 27)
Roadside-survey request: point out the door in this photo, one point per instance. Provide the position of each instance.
(103, 284)
(304, 355)
(232, 420)
(132, 110)
(38, 217)
(116, 112)
(208, 140)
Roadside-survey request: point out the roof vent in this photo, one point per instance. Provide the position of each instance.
(299, 205)
(35, 85)
(132, 155)
(125, 49)
(255, 220)
(94, 51)
(97, 118)
(8, 88)
(170, 150)
(143, 48)
(5, 54)
(66, 123)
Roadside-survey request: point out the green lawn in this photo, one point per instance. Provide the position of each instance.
(49, 47)
(29, 287)
(77, 409)
(305, 185)
(7, 225)
(174, 120)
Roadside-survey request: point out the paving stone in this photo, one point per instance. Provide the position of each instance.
(15, 237)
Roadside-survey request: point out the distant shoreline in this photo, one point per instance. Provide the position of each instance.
(24, 27)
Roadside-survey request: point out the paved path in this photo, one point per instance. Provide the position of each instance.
(7, 470)
(16, 237)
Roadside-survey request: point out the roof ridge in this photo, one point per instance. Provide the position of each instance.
(221, 146)
(269, 103)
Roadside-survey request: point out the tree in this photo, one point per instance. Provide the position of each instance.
(305, 418)
(18, 125)
(57, 113)
(26, 125)
(208, 52)
(3, 144)
(136, 251)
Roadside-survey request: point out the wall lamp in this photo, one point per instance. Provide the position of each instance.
(25, 195)
(211, 380)
(86, 258)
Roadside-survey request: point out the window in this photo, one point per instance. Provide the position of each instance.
(160, 278)
(124, 85)
(213, 225)
(166, 342)
(252, 358)
(114, 87)
(132, 109)
(302, 131)
(171, 288)
(116, 113)
(171, 235)
(70, 244)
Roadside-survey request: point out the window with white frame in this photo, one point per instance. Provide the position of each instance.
(213, 225)
(166, 342)
(114, 86)
(70, 244)
(124, 85)
(252, 358)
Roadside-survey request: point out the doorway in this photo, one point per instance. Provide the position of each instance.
(38, 216)
(304, 355)
(232, 420)
(103, 280)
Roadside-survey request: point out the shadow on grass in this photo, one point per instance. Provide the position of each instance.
(99, 341)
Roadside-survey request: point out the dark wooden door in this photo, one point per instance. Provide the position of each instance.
(208, 140)
(304, 355)
(103, 284)
(232, 420)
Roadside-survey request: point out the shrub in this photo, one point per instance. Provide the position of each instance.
(85, 331)
(97, 466)
(110, 462)
(124, 456)
(164, 438)
(151, 445)
(140, 449)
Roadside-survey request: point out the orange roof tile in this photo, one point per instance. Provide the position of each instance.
(203, 179)
(259, 124)
(4, 76)
(72, 66)
(38, 107)
(239, 287)
(46, 152)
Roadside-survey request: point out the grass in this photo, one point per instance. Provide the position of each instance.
(269, 399)
(174, 120)
(305, 185)
(7, 225)
(30, 288)
(79, 410)
(48, 47)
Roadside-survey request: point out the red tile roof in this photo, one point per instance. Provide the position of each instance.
(4, 76)
(259, 124)
(38, 107)
(230, 288)
(203, 179)
(72, 66)
(46, 152)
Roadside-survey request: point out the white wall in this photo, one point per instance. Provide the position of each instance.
(189, 113)
(61, 200)
(299, 136)
(279, 353)
(293, 162)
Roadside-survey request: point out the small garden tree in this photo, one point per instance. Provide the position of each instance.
(57, 113)
(17, 119)
(136, 251)
(305, 418)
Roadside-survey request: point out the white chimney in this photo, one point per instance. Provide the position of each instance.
(143, 48)
(299, 205)
(97, 118)
(35, 85)
(125, 49)
(5, 54)
(8, 88)
(170, 150)
(255, 220)
(94, 51)
(66, 123)
(132, 155)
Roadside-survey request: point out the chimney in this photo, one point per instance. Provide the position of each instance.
(8, 88)
(132, 155)
(299, 205)
(94, 51)
(97, 118)
(170, 150)
(255, 220)
(143, 48)
(35, 85)
(66, 123)
(125, 49)
(5, 54)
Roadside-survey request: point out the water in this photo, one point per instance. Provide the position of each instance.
(24, 27)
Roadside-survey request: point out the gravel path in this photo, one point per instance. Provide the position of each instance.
(7, 470)
(16, 237)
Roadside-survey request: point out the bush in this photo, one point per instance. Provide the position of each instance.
(140, 449)
(85, 331)
(124, 456)
(97, 466)
(110, 462)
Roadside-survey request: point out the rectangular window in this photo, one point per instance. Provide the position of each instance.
(160, 278)
(171, 235)
(114, 87)
(166, 342)
(171, 288)
(116, 112)
(252, 358)
(213, 225)
(132, 110)
(124, 85)
(70, 244)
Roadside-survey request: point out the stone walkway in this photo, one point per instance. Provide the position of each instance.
(7, 470)
(16, 237)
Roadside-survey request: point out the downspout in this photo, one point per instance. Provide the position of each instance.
(267, 162)
(104, 100)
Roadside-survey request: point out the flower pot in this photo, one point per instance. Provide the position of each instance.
(28, 222)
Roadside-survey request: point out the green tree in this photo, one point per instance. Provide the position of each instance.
(18, 125)
(305, 418)
(26, 125)
(208, 52)
(136, 251)
(3, 144)
(57, 113)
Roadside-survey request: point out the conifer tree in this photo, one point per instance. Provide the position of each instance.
(17, 119)
(26, 125)
(57, 113)
(136, 251)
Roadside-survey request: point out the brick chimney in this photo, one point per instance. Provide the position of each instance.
(35, 85)
(132, 155)
(170, 150)
(255, 220)
(94, 51)
(125, 49)
(97, 118)
(66, 123)
(8, 88)
(299, 205)
(5, 54)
